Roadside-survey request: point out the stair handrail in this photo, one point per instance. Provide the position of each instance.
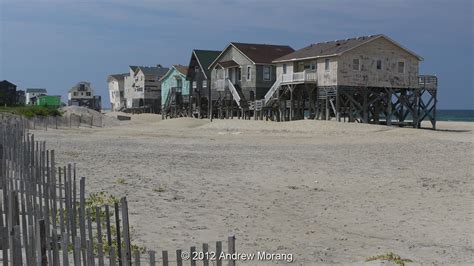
(234, 92)
(272, 90)
(168, 99)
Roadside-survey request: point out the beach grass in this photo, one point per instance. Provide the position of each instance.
(31, 111)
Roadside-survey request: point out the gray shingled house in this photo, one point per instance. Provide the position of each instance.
(243, 73)
(143, 87)
(369, 79)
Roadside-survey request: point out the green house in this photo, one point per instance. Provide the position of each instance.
(175, 87)
(48, 100)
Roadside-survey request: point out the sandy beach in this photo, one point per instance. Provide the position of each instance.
(324, 191)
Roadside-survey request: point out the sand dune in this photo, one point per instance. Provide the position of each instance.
(327, 192)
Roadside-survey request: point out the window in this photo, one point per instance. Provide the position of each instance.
(179, 83)
(313, 65)
(196, 69)
(249, 69)
(401, 67)
(88, 93)
(326, 64)
(194, 84)
(355, 64)
(75, 93)
(284, 68)
(379, 64)
(239, 74)
(266, 73)
(204, 83)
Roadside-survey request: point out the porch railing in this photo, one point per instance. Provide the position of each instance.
(304, 76)
(428, 81)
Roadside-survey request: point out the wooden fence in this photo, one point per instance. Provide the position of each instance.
(57, 122)
(46, 219)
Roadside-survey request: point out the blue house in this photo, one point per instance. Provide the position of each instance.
(175, 92)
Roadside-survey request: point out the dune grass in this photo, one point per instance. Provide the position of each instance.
(31, 111)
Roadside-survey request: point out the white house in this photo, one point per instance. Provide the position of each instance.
(82, 95)
(116, 84)
(32, 93)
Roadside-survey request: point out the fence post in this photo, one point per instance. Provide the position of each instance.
(205, 251)
(126, 231)
(218, 253)
(179, 258)
(231, 249)
(165, 257)
(119, 242)
(152, 257)
(41, 243)
(191, 256)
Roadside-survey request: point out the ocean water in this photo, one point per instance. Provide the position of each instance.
(455, 115)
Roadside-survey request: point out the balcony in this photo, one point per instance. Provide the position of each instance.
(307, 76)
(428, 81)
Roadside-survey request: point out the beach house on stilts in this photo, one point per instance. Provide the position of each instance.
(175, 92)
(199, 77)
(368, 79)
(242, 74)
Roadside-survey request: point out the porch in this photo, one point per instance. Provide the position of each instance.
(305, 76)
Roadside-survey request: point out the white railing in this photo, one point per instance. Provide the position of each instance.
(272, 90)
(305, 76)
(234, 92)
(428, 81)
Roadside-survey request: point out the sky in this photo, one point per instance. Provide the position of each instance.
(55, 44)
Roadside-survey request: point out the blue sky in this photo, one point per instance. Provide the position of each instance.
(57, 43)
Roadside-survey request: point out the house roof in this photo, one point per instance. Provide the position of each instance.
(335, 48)
(262, 53)
(229, 63)
(258, 53)
(179, 68)
(7, 82)
(156, 71)
(134, 68)
(182, 69)
(118, 76)
(205, 58)
(35, 90)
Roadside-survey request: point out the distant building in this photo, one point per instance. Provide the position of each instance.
(143, 87)
(20, 97)
(31, 94)
(49, 100)
(116, 84)
(8, 94)
(82, 95)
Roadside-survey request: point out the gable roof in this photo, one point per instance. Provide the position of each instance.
(229, 63)
(156, 71)
(179, 68)
(133, 68)
(35, 90)
(258, 53)
(182, 69)
(204, 59)
(118, 77)
(336, 48)
(7, 82)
